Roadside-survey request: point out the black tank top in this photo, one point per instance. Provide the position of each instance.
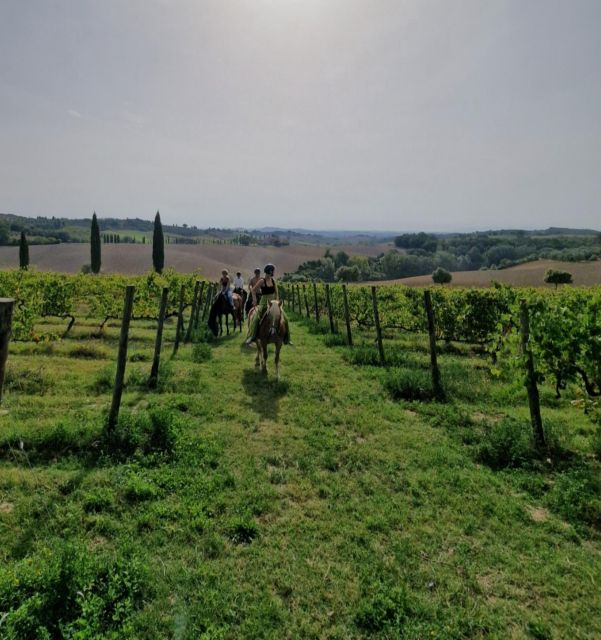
(267, 290)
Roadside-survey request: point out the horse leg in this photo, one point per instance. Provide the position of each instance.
(264, 349)
(220, 325)
(258, 358)
(227, 323)
(278, 347)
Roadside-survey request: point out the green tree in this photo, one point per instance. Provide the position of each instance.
(557, 277)
(341, 259)
(348, 274)
(158, 245)
(95, 260)
(441, 276)
(4, 232)
(23, 252)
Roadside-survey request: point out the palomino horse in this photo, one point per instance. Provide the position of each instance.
(272, 330)
(220, 308)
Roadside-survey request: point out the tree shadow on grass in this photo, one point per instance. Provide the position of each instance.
(264, 393)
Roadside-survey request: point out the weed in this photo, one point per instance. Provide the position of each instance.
(507, 443)
(27, 381)
(409, 384)
(64, 591)
(201, 352)
(87, 352)
(243, 530)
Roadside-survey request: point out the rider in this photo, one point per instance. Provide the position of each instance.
(251, 283)
(225, 288)
(268, 289)
(238, 284)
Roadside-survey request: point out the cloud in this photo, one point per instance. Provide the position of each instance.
(73, 113)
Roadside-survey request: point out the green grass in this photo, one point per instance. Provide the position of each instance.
(232, 505)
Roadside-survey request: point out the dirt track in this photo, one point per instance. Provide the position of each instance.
(208, 259)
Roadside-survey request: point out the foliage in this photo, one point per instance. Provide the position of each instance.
(158, 245)
(556, 277)
(23, 252)
(441, 276)
(64, 591)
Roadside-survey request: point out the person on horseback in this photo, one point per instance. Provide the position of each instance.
(238, 284)
(225, 288)
(251, 283)
(268, 290)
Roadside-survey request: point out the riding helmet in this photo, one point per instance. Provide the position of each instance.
(269, 269)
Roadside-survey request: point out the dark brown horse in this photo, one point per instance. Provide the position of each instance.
(272, 330)
(220, 308)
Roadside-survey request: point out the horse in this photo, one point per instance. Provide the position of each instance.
(272, 330)
(220, 308)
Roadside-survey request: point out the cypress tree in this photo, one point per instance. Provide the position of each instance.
(158, 245)
(23, 252)
(95, 245)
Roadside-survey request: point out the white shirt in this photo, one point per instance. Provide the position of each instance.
(238, 282)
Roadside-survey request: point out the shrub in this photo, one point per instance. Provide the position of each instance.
(409, 384)
(153, 432)
(388, 609)
(86, 352)
(67, 592)
(507, 444)
(45, 443)
(243, 530)
(104, 380)
(441, 276)
(27, 381)
(576, 496)
(201, 352)
(335, 340)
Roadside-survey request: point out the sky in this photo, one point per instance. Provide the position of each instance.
(326, 114)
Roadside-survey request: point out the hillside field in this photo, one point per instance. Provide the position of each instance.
(530, 274)
(209, 260)
(232, 505)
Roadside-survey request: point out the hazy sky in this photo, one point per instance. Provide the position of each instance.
(363, 114)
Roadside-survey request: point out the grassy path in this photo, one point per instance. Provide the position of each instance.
(315, 507)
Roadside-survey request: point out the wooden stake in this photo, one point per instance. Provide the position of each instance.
(121, 357)
(180, 319)
(306, 301)
(330, 313)
(199, 305)
(316, 303)
(192, 312)
(154, 371)
(374, 298)
(347, 316)
(436, 383)
(6, 319)
(531, 386)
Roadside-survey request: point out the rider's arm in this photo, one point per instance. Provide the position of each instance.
(255, 289)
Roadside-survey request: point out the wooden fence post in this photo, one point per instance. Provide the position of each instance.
(199, 305)
(6, 320)
(180, 319)
(299, 299)
(330, 313)
(531, 386)
(316, 303)
(192, 312)
(374, 299)
(436, 383)
(121, 357)
(205, 309)
(154, 371)
(347, 316)
(306, 301)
